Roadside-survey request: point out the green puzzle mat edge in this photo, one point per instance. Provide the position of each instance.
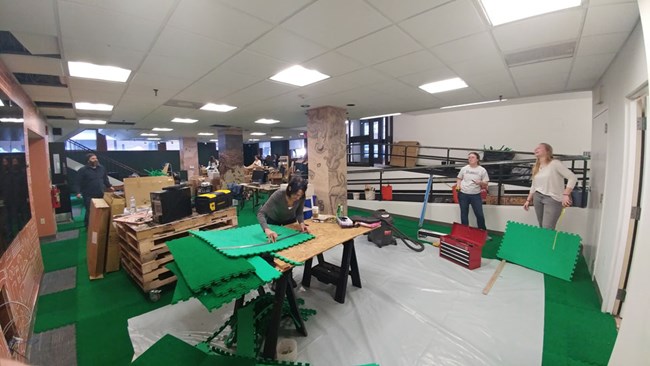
(251, 234)
(532, 247)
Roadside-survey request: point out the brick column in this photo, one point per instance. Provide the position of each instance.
(189, 156)
(326, 155)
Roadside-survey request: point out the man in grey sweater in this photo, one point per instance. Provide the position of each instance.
(285, 206)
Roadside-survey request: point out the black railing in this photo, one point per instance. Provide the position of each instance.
(504, 172)
(114, 168)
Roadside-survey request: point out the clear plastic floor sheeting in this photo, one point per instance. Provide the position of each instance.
(413, 309)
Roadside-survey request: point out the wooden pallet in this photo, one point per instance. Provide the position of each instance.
(144, 254)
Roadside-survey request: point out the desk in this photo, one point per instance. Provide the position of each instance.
(327, 236)
(268, 188)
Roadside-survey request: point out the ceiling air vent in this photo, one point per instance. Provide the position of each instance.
(39, 79)
(122, 123)
(547, 53)
(183, 104)
(53, 105)
(220, 126)
(10, 44)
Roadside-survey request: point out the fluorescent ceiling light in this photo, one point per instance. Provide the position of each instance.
(148, 134)
(443, 85)
(277, 137)
(92, 122)
(258, 133)
(299, 76)
(94, 106)
(266, 121)
(100, 72)
(12, 120)
(383, 115)
(1, 103)
(205, 134)
(184, 120)
(218, 107)
(153, 138)
(477, 103)
(162, 129)
(253, 140)
(506, 11)
(214, 140)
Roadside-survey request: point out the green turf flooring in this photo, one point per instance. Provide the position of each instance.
(575, 331)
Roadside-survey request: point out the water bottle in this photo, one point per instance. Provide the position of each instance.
(132, 205)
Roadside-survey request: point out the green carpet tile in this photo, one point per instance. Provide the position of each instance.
(576, 332)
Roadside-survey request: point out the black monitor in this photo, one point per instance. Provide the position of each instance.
(260, 176)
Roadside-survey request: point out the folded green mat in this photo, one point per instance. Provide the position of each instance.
(253, 238)
(202, 266)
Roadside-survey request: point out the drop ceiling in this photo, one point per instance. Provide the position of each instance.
(185, 53)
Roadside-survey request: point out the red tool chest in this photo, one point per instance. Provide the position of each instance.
(463, 246)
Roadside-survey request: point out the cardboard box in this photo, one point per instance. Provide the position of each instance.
(100, 213)
(140, 188)
(404, 154)
(117, 203)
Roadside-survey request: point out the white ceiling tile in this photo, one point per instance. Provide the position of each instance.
(602, 43)
(101, 54)
(33, 64)
(106, 27)
(177, 43)
(408, 64)
(399, 10)
(29, 16)
(38, 44)
(273, 11)
(611, 18)
(529, 85)
(155, 10)
(443, 24)
(67, 113)
(493, 90)
(47, 93)
(380, 46)
(428, 76)
(133, 110)
(253, 63)
(142, 86)
(361, 78)
(333, 64)
(476, 46)
(336, 22)
(217, 21)
(94, 96)
(460, 96)
(189, 68)
(591, 67)
(539, 31)
(216, 85)
(284, 45)
(258, 92)
(584, 84)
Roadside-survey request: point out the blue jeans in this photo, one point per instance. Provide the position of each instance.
(465, 200)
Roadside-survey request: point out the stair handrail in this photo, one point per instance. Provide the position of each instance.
(106, 158)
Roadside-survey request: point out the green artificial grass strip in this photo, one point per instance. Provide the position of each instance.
(264, 270)
(232, 289)
(251, 235)
(60, 254)
(170, 350)
(246, 331)
(544, 250)
(182, 292)
(203, 266)
(56, 310)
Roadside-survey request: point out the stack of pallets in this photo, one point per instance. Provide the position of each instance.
(143, 250)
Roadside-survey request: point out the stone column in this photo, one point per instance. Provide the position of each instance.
(231, 155)
(189, 156)
(326, 155)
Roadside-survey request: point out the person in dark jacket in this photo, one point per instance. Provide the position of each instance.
(92, 181)
(285, 206)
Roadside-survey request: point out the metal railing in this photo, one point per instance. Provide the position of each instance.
(111, 165)
(516, 172)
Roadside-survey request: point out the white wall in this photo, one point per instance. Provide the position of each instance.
(626, 74)
(562, 120)
(631, 346)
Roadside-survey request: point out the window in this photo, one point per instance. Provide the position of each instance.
(266, 148)
(367, 140)
(297, 148)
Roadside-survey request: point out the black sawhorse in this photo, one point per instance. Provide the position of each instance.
(329, 273)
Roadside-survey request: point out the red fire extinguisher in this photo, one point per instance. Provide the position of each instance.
(55, 192)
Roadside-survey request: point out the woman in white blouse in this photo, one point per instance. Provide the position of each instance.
(548, 192)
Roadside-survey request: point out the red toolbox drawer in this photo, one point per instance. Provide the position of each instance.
(463, 245)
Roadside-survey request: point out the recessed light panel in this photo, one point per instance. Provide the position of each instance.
(258, 133)
(218, 107)
(205, 134)
(148, 134)
(266, 121)
(162, 129)
(12, 120)
(99, 72)
(184, 120)
(443, 85)
(93, 106)
(506, 11)
(91, 122)
(299, 76)
(277, 137)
